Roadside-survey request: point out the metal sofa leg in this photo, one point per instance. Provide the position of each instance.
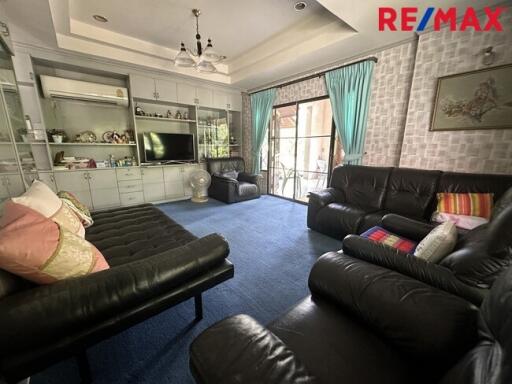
(84, 368)
(198, 301)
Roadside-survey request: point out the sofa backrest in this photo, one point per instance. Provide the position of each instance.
(225, 164)
(410, 192)
(474, 182)
(362, 186)
(488, 362)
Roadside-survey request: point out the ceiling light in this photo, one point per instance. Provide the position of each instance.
(202, 60)
(300, 6)
(101, 19)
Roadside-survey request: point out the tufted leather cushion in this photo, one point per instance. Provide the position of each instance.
(411, 191)
(361, 186)
(124, 235)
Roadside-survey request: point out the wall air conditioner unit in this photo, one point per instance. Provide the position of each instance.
(59, 87)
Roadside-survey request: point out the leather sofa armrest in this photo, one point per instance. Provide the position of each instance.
(432, 274)
(32, 318)
(249, 177)
(412, 229)
(424, 322)
(326, 196)
(240, 350)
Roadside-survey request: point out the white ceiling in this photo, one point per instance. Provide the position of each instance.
(265, 40)
(234, 25)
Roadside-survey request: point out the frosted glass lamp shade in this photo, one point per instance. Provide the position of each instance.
(205, 66)
(210, 54)
(183, 58)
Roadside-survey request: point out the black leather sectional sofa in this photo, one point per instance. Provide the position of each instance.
(359, 197)
(365, 324)
(155, 264)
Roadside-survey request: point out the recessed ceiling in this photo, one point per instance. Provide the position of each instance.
(265, 40)
(235, 26)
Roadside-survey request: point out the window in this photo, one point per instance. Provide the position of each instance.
(300, 146)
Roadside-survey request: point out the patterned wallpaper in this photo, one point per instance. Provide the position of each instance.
(388, 105)
(440, 54)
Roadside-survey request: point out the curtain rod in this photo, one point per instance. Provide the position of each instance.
(317, 74)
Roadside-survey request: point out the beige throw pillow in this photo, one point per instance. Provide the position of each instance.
(438, 243)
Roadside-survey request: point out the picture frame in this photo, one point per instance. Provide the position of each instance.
(480, 99)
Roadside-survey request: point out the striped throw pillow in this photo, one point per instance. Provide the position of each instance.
(469, 204)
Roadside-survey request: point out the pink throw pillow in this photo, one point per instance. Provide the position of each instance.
(460, 221)
(38, 249)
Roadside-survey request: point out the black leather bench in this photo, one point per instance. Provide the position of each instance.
(155, 264)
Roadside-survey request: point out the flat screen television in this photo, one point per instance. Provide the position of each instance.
(168, 147)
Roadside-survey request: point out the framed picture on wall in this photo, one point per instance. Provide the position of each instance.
(479, 99)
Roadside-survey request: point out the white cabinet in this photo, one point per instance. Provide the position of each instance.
(205, 97)
(153, 89)
(48, 179)
(186, 94)
(22, 63)
(235, 102)
(76, 182)
(173, 182)
(5, 33)
(166, 91)
(104, 189)
(153, 184)
(142, 87)
(220, 100)
(11, 186)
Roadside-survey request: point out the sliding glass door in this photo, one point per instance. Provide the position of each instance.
(300, 146)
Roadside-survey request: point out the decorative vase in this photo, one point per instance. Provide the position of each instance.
(57, 139)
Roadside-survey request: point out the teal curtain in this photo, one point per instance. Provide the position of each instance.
(261, 109)
(349, 92)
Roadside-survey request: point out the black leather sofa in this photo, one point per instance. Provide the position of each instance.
(365, 324)
(359, 197)
(239, 186)
(155, 264)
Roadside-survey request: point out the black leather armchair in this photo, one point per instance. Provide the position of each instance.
(365, 324)
(230, 182)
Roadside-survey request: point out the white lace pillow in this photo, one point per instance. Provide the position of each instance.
(42, 199)
(438, 243)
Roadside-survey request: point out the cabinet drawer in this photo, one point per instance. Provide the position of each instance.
(127, 186)
(128, 174)
(132, 198)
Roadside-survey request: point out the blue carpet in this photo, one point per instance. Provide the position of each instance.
(272, 251)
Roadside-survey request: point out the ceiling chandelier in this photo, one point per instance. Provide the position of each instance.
(201, 60)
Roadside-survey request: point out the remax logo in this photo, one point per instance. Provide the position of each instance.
(408, 19)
